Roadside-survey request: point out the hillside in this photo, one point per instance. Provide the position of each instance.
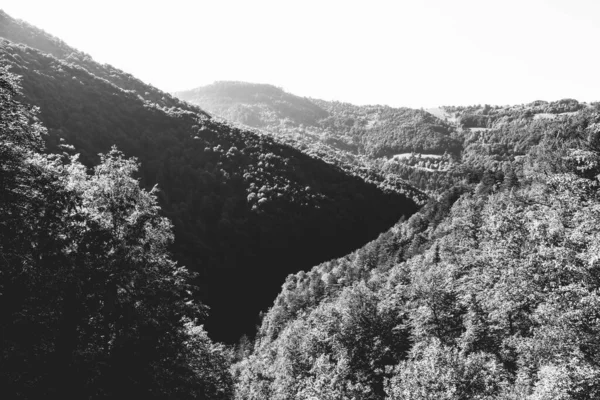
(393, 144)
(371, 130)
(358, 139)
(344, 252)
(91, 303)
(255, 105)
(18, 31)
(491, 292)
(245, 209)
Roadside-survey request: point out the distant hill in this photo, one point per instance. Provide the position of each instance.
(330, 131)
(255, 105)
(393, 144)
(494, 136)
(247, 211)
(371, 130)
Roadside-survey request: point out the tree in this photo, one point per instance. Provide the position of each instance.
(91, 304)
(437, 372)
(136, 295)
(34, 221)
(510, 180)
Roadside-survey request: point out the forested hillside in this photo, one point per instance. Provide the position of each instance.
(18, 31)
(138, 231)
(245, 209)
(371, 130)
(491, 292)
(431, 151)
(342, 134)
(91, 303)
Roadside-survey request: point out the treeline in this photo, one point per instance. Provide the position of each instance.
(489, 293)
(18, 31)
(482, 116)
(91, 303)
(509, 139)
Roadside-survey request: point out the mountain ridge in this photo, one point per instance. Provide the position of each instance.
(19, 31)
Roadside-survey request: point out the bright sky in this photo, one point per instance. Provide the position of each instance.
(415, 53)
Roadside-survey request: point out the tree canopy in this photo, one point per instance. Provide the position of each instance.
(91, 303)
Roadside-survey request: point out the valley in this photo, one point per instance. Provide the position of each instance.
(218, 184)
(236, 241)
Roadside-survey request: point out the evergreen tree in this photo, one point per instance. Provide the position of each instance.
(510, 180)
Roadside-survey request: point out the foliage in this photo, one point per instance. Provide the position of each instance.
(219, 185)
(372, 142)
(436, 372)
(342, 134)
(490, 293)
(371, 130)
(18, 31)
(92, 306)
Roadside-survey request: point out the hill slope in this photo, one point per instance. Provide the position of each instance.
(394, 144)
(491, 292)
(19, 31)
(359, 139)
(370, 130)
(246, 210)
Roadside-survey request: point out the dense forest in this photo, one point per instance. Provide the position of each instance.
(488, 292)
(392, 144)
(92, 304)
(141, 237)
(371, 130)
(244, 207)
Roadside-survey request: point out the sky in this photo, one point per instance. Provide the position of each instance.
(410, 53)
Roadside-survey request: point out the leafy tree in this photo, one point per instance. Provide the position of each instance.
(437, 372)
(499, 301)
(91, 303)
